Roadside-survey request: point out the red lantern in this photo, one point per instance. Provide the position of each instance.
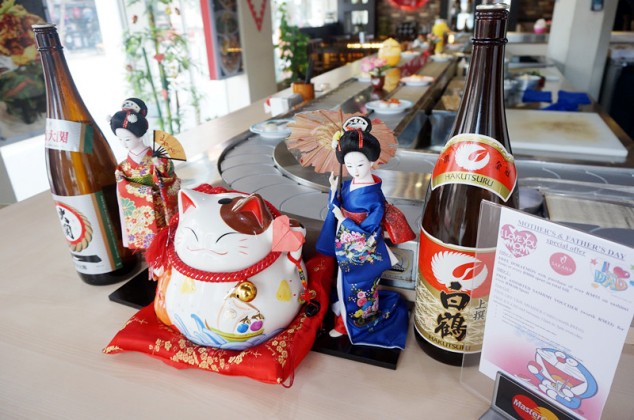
(408, 5)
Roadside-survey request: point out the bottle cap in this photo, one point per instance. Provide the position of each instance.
(43, 26)
(493, 5)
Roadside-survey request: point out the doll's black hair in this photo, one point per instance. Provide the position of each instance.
(131, 117)
(358, 140)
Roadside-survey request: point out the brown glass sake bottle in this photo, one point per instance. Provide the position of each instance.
(81, 169)
(475, 165)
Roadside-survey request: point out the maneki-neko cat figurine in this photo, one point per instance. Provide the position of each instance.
(146, 182)
(229, 269)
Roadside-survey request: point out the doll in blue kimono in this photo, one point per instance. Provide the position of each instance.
(353, 234)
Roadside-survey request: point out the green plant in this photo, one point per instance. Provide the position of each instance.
(293, 47)
(21, 78)
(157, 63)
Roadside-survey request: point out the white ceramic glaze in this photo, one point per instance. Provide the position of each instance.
(225, 312)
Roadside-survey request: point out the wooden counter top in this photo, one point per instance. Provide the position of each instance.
(54, 327)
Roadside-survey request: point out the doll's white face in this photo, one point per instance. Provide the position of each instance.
(129, 140)
(358, 166)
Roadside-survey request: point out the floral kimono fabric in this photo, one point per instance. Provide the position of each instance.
(371, 317)
(147, 195)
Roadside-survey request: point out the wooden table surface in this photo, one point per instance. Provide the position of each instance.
(53, 328)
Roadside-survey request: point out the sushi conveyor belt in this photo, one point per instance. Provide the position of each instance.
(253, 164)
(264, 166)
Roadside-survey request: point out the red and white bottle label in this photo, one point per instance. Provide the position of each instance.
(89, 232)
(452, 294)
(68, 136)
(477, 160)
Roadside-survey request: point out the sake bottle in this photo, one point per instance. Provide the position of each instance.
(476, 164)
(81, 173)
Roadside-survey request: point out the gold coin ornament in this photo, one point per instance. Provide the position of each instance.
(246, 291)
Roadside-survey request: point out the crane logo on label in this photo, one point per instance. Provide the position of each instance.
(478, 160)
(452, 294)
(472, 156)
(450, 268)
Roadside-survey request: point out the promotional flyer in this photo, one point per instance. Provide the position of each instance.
(560, 307)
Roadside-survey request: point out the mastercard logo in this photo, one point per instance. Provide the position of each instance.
(527, 409)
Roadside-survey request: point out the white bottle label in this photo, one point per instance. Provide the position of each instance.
(68, 136)
(89, 232)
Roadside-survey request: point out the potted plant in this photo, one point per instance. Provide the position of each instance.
(158, 61)
(22, 91)
(375, 67)
(293, 47)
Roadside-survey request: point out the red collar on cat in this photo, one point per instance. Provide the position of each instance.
(234, 276)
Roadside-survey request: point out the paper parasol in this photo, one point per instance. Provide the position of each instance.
(164, 145)
(311, 137)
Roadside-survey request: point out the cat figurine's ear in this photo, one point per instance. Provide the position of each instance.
(186, 201)
(253, 207)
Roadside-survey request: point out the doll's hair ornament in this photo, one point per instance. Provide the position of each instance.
(359, 135)
(131, 117)
(358, 122)
(134, 105)
(356, 137)
(335, 140)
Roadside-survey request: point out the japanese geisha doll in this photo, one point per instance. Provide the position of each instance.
(147, 186)
(353, 234)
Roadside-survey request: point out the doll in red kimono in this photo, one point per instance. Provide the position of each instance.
(353, 234)
(147, 186)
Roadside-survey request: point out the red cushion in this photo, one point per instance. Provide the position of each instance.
(273, 361)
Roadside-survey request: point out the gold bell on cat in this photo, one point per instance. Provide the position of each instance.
(245, 291)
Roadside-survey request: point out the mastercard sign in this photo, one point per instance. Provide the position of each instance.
(528, 409)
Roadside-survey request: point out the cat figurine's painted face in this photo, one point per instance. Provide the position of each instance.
(222, 232)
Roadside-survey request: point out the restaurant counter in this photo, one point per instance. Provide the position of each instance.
(54, 327)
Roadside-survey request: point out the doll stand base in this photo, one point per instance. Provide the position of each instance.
(137, 292)
(341, 347)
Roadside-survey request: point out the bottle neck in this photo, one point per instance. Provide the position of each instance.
(63, 99)
(490, 24)
(482, 107)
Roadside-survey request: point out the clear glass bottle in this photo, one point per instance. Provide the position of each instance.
(476, 164)
(81, 169)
